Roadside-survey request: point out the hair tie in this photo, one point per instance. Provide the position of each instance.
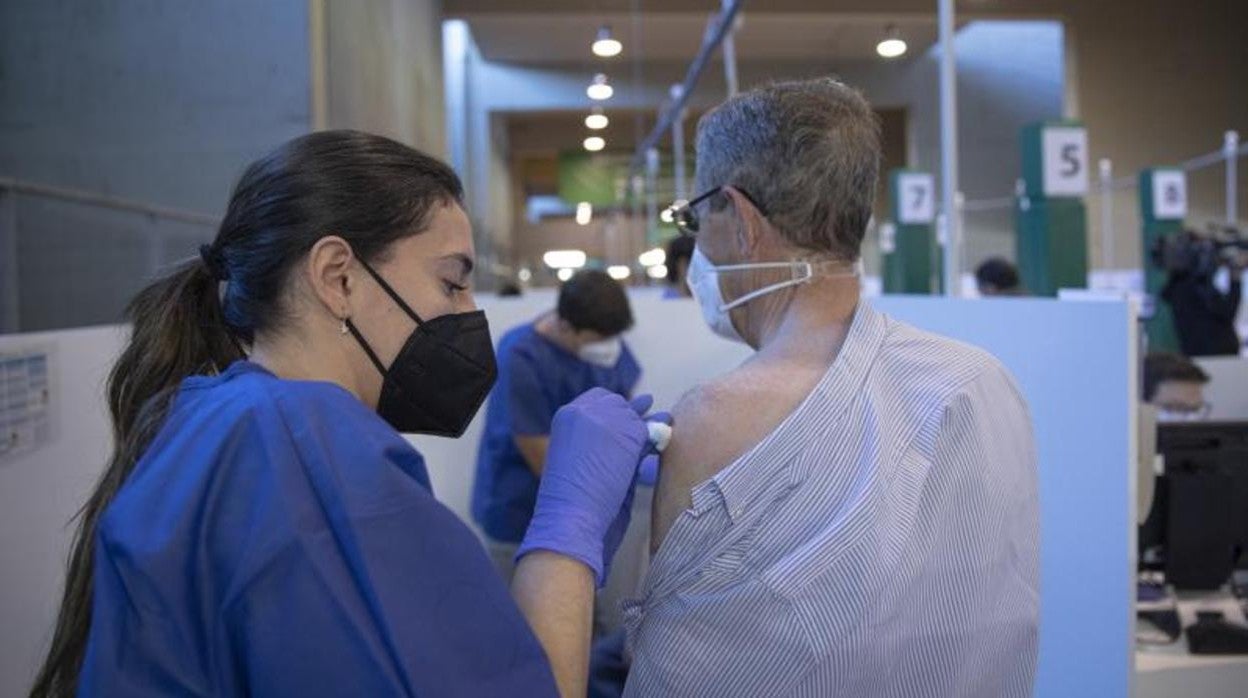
(214, 261)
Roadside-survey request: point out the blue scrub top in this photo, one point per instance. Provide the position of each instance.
(280, 539)
(535, 378)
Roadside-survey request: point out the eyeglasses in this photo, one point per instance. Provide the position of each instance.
(1184, 412)
(685, 214)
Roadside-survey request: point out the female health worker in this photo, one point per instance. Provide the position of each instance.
(262, 528)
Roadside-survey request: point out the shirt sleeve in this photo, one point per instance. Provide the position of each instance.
(528, 405)
(401, 602)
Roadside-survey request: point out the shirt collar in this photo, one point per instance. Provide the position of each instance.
(751, 476)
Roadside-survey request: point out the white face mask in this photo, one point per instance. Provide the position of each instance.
(605, 353)
(703, 280)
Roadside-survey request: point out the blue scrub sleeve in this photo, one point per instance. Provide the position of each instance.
(528, 404)
(401, 602)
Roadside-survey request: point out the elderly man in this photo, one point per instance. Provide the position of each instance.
(852, 511)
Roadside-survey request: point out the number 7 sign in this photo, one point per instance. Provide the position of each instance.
(916, 194)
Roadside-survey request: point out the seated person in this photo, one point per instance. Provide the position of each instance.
(997, 277)
(1175, 385)
(853, 510)
(1173, 391)
(542, 366)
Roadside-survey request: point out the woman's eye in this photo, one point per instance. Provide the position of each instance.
(453, 288)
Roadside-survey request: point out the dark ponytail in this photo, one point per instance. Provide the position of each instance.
(369, 190)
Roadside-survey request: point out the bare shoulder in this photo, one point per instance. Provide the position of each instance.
(715, 424)
(701, 420)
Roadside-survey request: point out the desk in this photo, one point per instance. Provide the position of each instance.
(1171, 672)
(1168, 671)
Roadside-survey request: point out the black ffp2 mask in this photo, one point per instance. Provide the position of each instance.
(440, 377)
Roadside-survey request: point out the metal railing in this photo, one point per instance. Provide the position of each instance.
(1107, 184)
(13, 189)
(88, 198)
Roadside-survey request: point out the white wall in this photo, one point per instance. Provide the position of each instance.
(40, 493)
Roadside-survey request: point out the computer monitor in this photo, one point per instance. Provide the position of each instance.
(1203, 502)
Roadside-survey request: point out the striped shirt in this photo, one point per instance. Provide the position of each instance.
(883, 540)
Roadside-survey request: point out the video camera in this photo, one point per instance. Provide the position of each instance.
(1200, 253)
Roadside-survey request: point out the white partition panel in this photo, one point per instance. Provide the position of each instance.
(1072, 361)
(40, 492)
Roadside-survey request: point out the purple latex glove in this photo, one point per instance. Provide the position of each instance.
(596, 444)
(647, 474)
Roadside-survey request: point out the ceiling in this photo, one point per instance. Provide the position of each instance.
(558, 33)
(461, 8)
(564, 39)
(553, 131)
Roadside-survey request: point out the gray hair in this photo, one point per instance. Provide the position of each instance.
(806, 152)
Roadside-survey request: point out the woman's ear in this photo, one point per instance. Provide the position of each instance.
(329, 275)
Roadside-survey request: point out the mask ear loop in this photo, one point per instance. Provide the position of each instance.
(391, 292)
(803, 272)
(359, 338)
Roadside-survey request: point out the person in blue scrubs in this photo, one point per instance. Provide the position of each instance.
(262, 528)
(679, 254)
(542, 366)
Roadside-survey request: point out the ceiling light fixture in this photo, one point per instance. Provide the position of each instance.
(594, 143)
(619, 272)
(653, 257)
(658, 271)
(596, 120)
(584, 213)
(599, 89)
(565, 259)
(564, 274)
(606, 45)
(892, 45)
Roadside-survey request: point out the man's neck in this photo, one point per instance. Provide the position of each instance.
(814, 325)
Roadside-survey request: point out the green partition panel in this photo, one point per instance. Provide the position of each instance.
(913, 265)
(1160, 217)
(1052, 245)
(1051, 219)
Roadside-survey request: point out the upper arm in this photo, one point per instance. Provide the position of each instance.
(699, 447)
(533, 448)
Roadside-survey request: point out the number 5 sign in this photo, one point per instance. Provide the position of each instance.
(1064, 151)
(916, 193)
